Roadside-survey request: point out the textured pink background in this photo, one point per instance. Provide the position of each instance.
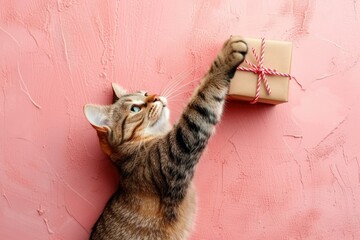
(285, 172)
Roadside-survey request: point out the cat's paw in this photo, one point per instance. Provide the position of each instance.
(232, 55)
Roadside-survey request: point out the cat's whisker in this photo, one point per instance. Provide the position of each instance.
(172, 84)
(183, 86)
(172, 97)
(174, 90)
(178, 79)
(173, 87)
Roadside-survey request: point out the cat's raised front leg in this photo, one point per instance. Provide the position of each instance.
(185, 143)
(178, 152)
(190, 135)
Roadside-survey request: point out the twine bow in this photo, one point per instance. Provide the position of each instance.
(261, 71)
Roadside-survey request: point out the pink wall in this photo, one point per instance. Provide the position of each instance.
(285, 172)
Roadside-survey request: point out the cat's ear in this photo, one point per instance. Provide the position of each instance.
(98, 118)
(118, 91)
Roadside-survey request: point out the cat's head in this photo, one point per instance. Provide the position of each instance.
(132, 118)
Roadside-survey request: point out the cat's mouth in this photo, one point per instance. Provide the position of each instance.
(157, 110)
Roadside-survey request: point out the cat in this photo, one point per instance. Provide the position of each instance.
(156, 161)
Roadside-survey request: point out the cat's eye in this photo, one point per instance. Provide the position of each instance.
(146, 94)
(135, 108)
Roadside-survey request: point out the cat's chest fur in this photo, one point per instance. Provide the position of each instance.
(186, 216)
(144, 218)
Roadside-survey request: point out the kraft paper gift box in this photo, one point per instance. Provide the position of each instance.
(277, 57)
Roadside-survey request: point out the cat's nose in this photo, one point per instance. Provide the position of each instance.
(153, 98)
(156, 98)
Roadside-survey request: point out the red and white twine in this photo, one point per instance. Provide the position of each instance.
(261, 71)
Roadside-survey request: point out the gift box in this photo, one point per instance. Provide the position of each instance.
(264, 75)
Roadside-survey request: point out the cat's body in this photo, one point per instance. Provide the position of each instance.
(156, 163)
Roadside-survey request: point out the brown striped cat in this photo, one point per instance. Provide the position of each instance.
(156, 162)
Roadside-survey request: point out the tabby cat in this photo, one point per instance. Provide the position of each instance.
(156, 161)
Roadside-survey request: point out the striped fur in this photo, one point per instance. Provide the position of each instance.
(156, 162)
